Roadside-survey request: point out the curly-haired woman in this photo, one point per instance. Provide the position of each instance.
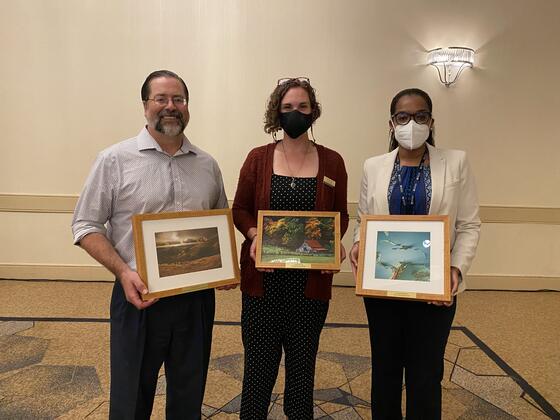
(285, 309)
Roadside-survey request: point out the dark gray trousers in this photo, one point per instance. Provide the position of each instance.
(177, 332)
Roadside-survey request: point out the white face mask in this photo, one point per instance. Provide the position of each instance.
(412, 135)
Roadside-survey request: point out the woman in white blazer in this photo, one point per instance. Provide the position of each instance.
(415, 177)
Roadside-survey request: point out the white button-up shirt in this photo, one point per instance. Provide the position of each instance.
(137, 176)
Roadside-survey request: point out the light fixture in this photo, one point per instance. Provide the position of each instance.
(450, 62)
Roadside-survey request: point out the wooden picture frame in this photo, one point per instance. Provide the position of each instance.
(404, 257)
(182, 252)
(298, 240)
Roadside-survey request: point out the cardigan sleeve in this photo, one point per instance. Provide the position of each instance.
(340, 200)
(243, 209)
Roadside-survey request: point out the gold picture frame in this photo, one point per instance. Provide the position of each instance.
(404, 257)
(181, 252)
(298, 240)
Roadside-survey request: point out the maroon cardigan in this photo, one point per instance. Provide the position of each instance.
(253, 194)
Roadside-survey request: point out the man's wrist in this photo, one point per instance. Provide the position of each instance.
(122, 271)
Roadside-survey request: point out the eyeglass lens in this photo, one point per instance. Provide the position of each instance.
(403, 118)
(163, 100)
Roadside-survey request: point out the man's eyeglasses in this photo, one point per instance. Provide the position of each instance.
(164, 100)
(402, 118)
(289, 79)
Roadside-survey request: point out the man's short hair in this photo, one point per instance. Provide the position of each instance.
(145, 90)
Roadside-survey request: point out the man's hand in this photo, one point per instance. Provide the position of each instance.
(99, 247)
(133, 289)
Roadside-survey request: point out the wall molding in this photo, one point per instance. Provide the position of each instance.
(504, 214)
(60, 203)
(37, 203)
(65, 204)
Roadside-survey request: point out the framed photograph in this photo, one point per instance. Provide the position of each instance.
(404, 257)
(298, 239)
(185, 251)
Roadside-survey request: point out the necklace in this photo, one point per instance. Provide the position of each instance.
(409, 206)
(292, 174)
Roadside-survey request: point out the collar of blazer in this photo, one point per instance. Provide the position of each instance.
(437, 170)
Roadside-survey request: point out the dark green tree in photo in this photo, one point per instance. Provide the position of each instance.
(294, 233)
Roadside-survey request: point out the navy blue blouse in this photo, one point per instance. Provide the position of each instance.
(422, 195)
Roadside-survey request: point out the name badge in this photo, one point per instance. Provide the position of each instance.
(329, 182)
(401, 294)
(297, 265)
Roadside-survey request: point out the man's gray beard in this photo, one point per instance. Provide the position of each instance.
(170, 130)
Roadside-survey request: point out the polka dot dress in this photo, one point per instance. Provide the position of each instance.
(282, 319)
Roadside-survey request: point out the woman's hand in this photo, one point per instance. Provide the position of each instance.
(354, 255)
(455, 277)
(253, 250)
(342, 258)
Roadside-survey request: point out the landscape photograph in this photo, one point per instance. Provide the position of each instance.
(299, 240)
(187, 251)
(403, 256)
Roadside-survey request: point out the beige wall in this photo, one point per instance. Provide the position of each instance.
(71, 73)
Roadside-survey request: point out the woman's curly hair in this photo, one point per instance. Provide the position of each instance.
(272, 114)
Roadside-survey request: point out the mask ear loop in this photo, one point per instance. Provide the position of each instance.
(313, 135)
(433, 132)
(391, 134)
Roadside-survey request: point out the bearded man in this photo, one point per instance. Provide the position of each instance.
(159, 170)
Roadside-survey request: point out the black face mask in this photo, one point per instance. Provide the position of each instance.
(294, 123)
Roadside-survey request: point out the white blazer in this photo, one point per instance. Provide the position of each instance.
(453, 194)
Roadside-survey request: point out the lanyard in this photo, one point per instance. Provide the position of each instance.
(420, 171)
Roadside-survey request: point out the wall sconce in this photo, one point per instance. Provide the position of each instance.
(450, 62)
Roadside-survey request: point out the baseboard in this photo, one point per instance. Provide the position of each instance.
(512, 282)
(97, 273)
(54, 272)
(484, 282)
(344, 278)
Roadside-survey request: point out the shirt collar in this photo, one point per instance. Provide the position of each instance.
(147, 142)
(187, 146)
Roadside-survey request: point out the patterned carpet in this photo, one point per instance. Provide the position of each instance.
(36, 383)
(57, 367)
